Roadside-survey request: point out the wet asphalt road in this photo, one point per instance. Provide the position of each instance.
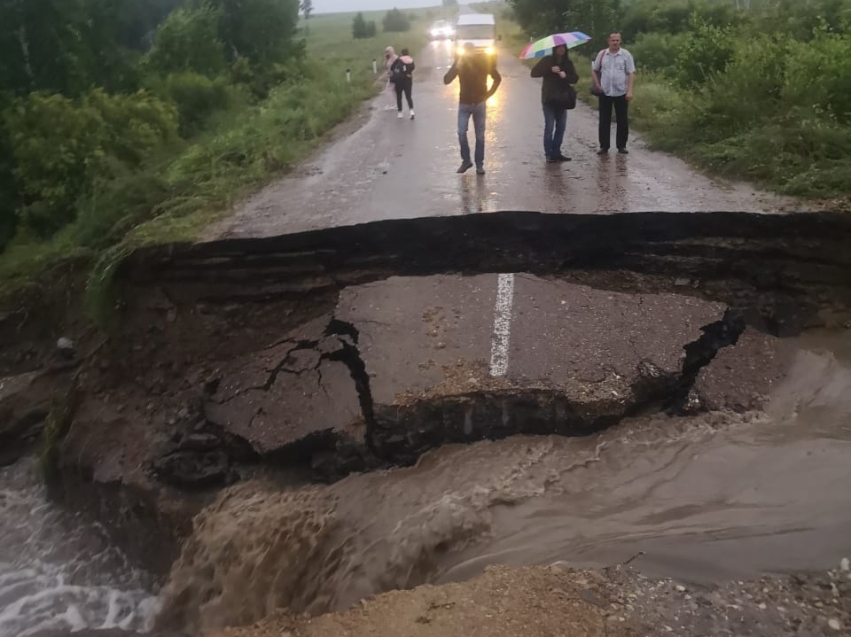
(395, 169)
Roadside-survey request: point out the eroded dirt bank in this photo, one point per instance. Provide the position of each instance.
(272, 366)
(303, 354)
(556, 600)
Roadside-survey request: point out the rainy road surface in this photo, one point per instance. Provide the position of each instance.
(398, 169)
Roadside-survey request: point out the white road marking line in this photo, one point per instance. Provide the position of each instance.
(502, 325)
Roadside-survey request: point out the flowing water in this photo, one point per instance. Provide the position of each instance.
(702, 499)
(58, 572)
(706, 498)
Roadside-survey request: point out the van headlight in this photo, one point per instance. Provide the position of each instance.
(490, 50)
(460, 51)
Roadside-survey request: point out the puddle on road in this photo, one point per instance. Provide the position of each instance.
(705, 498)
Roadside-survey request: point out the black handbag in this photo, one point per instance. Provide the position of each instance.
(566, 98)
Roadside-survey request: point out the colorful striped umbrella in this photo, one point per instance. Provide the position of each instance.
(544, 46)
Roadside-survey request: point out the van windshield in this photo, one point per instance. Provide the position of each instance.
(475, 32)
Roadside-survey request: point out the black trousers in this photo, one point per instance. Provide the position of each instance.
(404, 87)
(622, 113)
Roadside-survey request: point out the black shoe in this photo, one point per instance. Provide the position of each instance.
(480, 170)
(603, 151)
(553, 160)
(465, 166)
(623, 151)
(562, 158)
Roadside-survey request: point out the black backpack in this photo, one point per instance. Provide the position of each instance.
(398, 71)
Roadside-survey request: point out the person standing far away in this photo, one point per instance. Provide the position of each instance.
(558, 73)
(472, 71)
(613, 74)
(401, 75)
(390, 58)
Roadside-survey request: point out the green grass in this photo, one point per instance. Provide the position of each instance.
(245, 147)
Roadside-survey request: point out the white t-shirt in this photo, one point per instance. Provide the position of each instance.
(615, 67)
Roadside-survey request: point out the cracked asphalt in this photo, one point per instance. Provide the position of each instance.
(409, 363)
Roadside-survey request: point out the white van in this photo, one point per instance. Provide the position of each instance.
(478, 28)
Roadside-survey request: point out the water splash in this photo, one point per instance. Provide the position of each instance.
(58, 571)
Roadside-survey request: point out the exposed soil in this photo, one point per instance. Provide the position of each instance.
(555, 600)
(154, 438)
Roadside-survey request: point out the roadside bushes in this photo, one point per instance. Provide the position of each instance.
(703, 53)
(657, 51)
(268, 138)
(195, 97)
(66, 150)
(63, 148)
(763, 94)
(188, 41)
(818, 74)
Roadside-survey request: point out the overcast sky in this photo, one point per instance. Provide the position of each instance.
(336, 6)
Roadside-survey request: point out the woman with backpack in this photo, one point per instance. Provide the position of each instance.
(557, 96)
(401, 75)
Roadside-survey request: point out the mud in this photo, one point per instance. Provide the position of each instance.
(154, 436)
(704, 499)
(556, 600)
(243, 372)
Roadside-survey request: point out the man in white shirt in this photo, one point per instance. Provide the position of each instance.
(613, 73)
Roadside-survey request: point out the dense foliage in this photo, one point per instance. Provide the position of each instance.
(758, 89)
(92, 91)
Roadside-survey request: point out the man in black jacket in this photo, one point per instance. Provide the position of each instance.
(472, 71)
(556, 94)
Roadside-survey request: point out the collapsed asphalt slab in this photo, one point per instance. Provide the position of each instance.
(405, 365)
(299, 331)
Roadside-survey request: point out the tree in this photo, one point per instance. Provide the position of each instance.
(63, 46)
(450, 4)
(360, 28)
(188, 40)
(396, 21)
(594, 17)
(307, 8)
(261, 30)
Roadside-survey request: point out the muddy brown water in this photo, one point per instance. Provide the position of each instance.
(702, 499)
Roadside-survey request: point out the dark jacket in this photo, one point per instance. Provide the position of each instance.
(554, 86)
(401, 70)
(472, 73)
